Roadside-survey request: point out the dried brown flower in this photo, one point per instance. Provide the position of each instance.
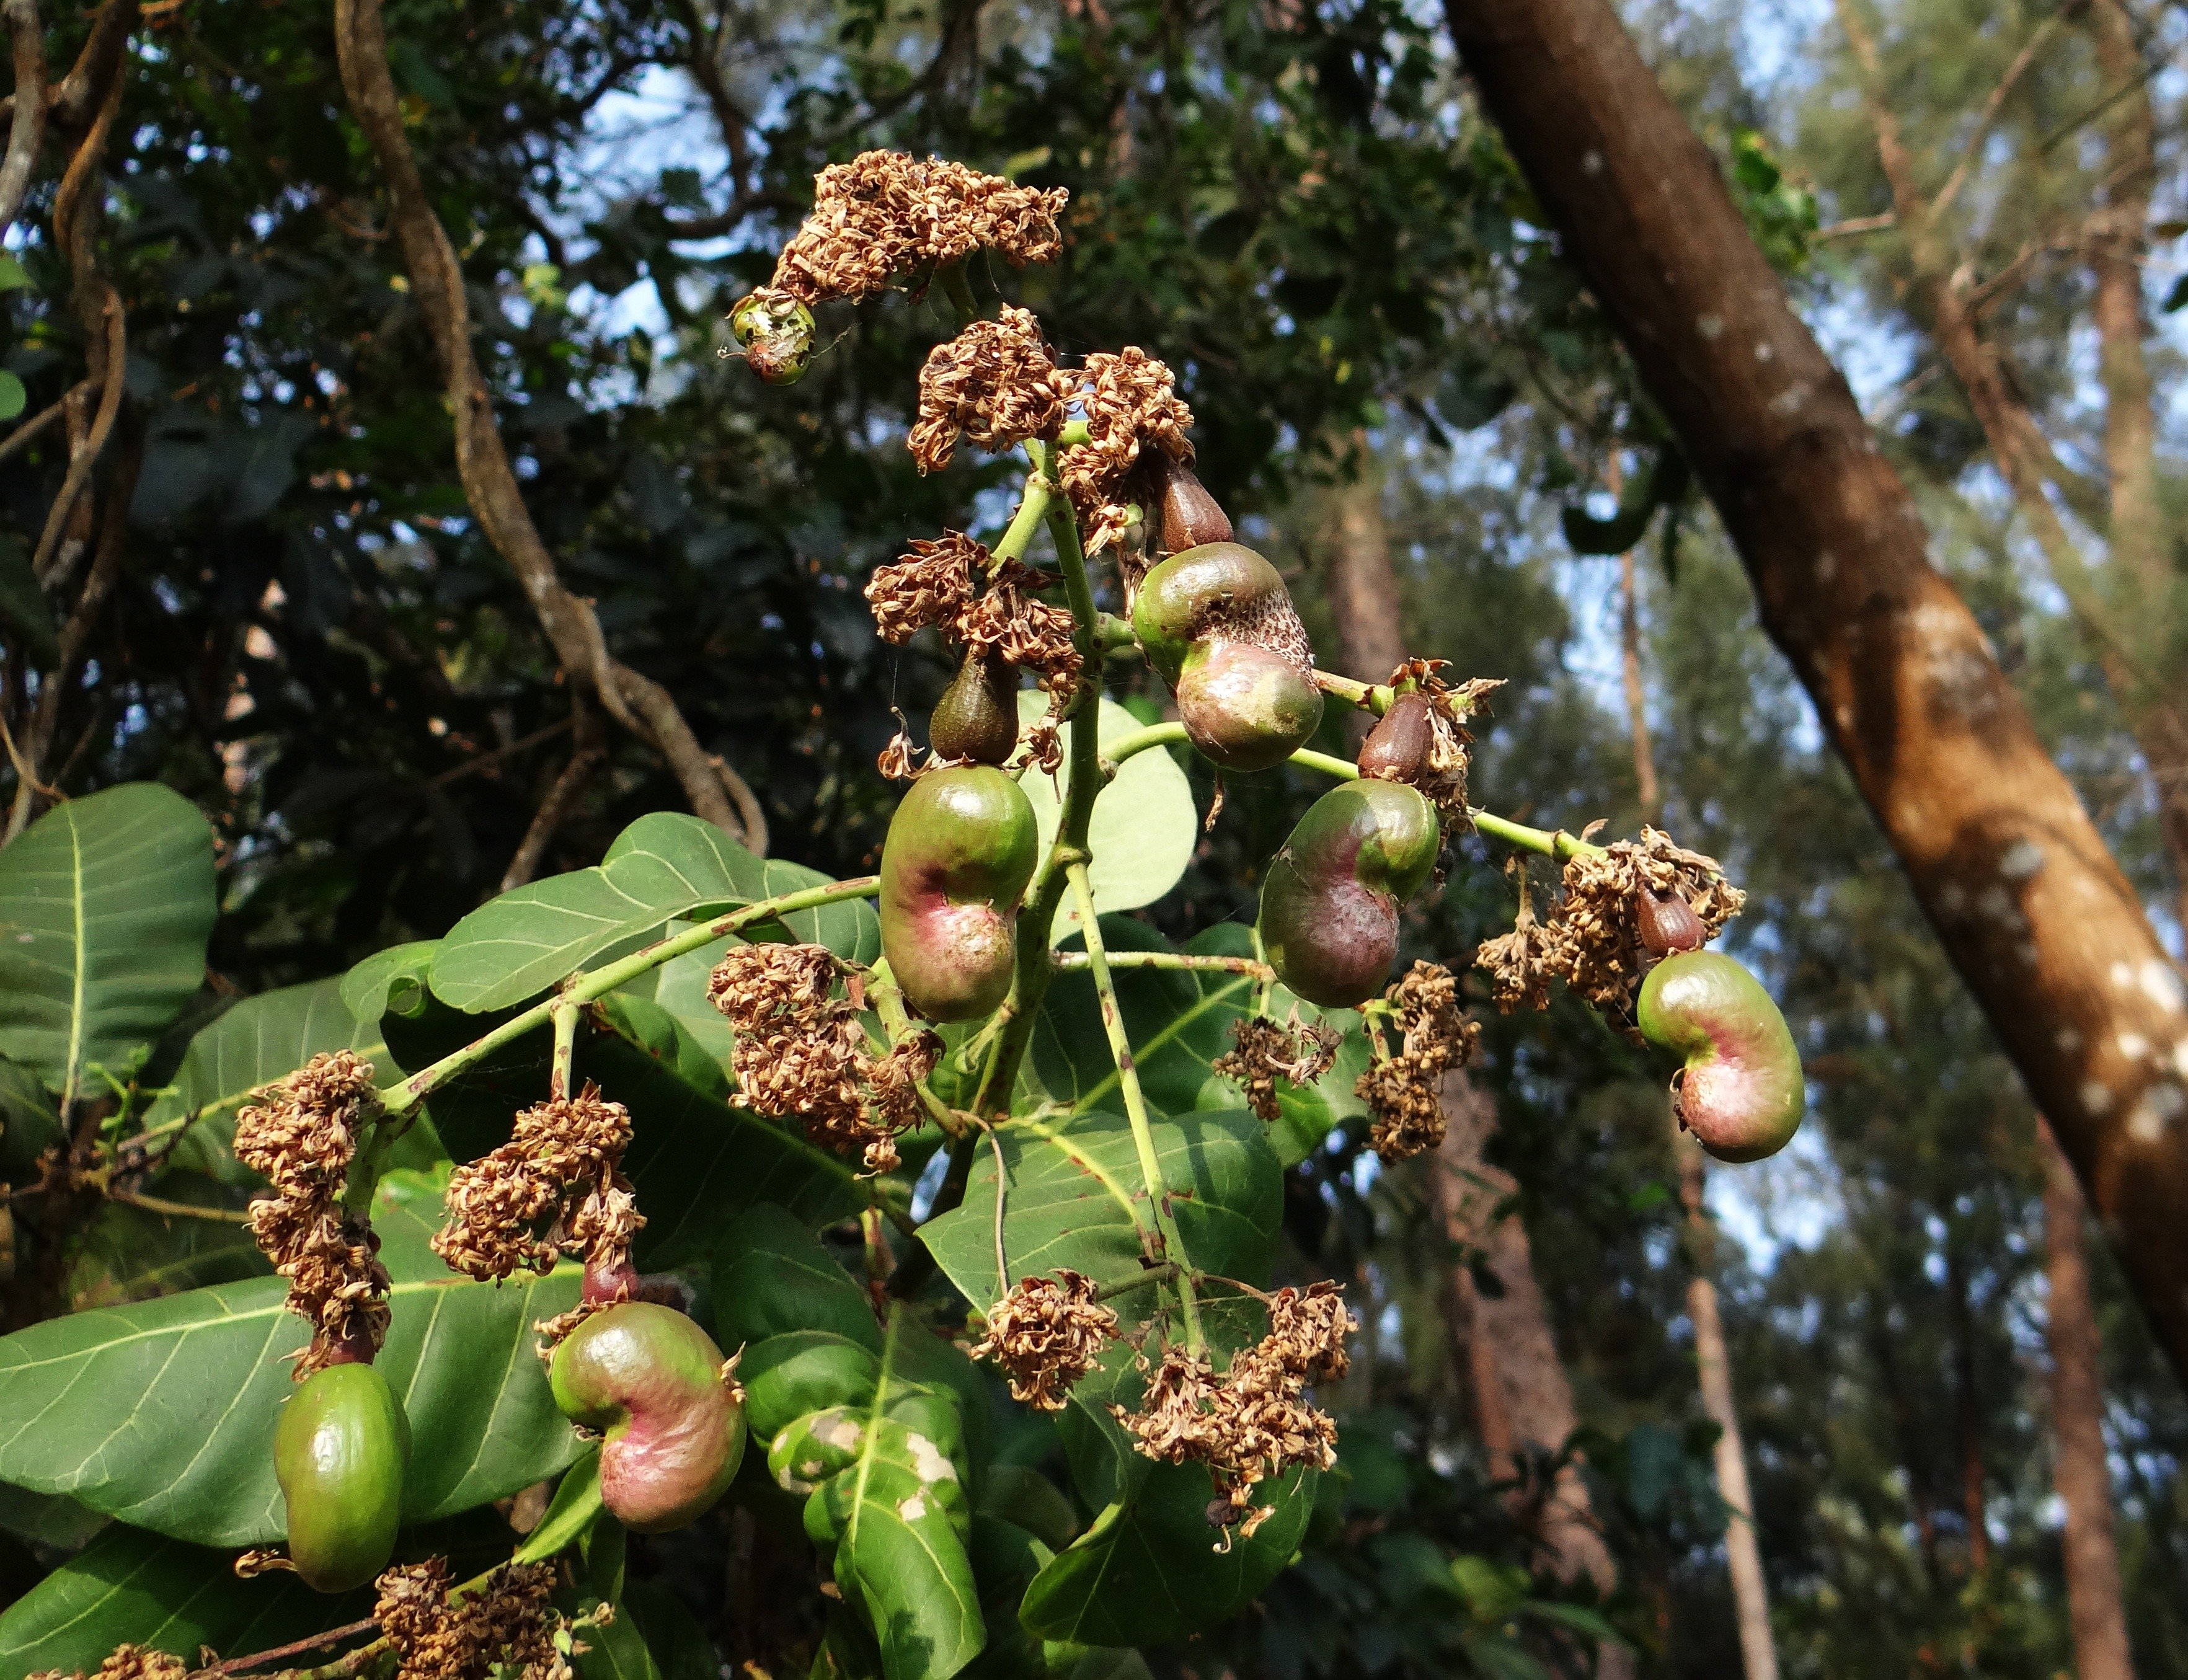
(1400, 1087)
(302, 1136)
(1597, 949)
(127, 1662)
(883, 211)
(930, 585)
(1009, 621)
(556, 1187)
(1045, 1334)
(1518, 964)
(1262, 1052)
(1307, 1331)
(510, 1623)
(1130, 400)
(800, 1050)
(994, 383)
(1043, 748)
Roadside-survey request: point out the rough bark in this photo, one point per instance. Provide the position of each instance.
(2029, 906)
(1364, 586)
(2080, 1472)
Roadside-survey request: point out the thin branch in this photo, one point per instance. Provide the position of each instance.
(2014, 72)
(260, 1659)
(589, 754)
(44, 563)
(30, 429)
(1856, 225)
(26, 132)
(166, 1208)
(486, 761)
(84, 87)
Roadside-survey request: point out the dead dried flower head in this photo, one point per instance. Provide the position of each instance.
(1045, 1334)
(1262, 1052)
(1401, 1086)
(1011, 622)
(1443, 776)
(556, 1187)
(994, 383)
(1518, 964)
(302, 1135)
(510, 1624)
(1597, 949)
(930, 585)
(126, 1662)
(1307, 1331)
(1130, 403)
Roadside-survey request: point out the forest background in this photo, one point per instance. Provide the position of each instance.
(276, 595)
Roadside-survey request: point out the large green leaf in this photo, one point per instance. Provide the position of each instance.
(105, 906)
(663, 866)
(1074, 1183)
(162, 1413)
(772, 1276)
(135, 1587)
(1144, 828)
(257, 1041)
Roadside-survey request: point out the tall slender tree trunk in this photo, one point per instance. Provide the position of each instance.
(2080, 1472)
(1362, 584)
(2030, 906)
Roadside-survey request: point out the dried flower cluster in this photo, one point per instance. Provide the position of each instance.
(882, 212)
(302, 1136)
(994, 383)
(938, 583)
(556, 1187)
(800, 1050)
(1400, 1088)
(127, 1662)
(1256, 1422)
(509, 1624)
(1045, 1334)
(1130, 400)
(1592, 940)
(1262, 1052)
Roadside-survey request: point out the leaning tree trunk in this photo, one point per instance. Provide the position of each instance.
(2080, 1471)
(2030, 906)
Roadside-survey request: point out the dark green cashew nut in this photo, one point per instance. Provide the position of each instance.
(777, 333)
(339, 1453)
(1741, 1092)
(978, 716)
(1218, 624)
(652, 1380)
(1330, 904)
(960, 851)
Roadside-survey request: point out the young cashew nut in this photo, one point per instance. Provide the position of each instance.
(339, 1451)
(978, 716)
(777, 333)
(1330, 903)
(652, 1380)
(1741, 1092)
(1218, 624)
(960, 851)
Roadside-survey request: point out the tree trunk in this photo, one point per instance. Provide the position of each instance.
(2080, 1472)
(2007, 863)
(1362, 585)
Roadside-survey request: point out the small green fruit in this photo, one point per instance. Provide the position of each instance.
(1218, 624)
(1741, 1092)
(339, 1451)
(1330, 903)
(777, 333)
(978, 716)
(960, 851)
(651, 1380)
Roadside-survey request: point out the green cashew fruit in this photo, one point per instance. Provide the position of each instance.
(1330, 903)
(960, 851)
(1741, 1092)
(777, 333)
(339, 1451)
(1218, 624)
(652, 1380)
(978, 716)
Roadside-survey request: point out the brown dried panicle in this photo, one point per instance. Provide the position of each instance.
(930, 585)
(1307, 1331)
(1046, 1334)
(556, 1187)
(126, 1662)
(801, 1051)
(994, 383)
(1262, 1052)
(1130, 403)
(1596, 948)
(302, 1135)
(884, 211)
(1043, 746)
(509, 1624)
(1518, 964)
(1009, 621)
(1399, 1088)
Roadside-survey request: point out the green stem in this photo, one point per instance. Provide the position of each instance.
(1136, 1105)
(1072, 961)
(1550, 842)
(1153, 1274)
(585, 986)
(1368, 696)
(951, 276)
(564, 1014)
(1139, 741)
(1033, 508)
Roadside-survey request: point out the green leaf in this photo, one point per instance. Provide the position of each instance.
(130, 1253)
(131, 1587)
(678, 1645)
(793, 1376)
(13, 277)
(162, 1413)
(394, 979)
(663, 866)
(570, 1513)
(105, 905)
(28, 1124)
(255, 1042)
(1144, 828)
(1073, 1185)
(772, 1275)
(616, 1651)
(14, 399)
(47, 1518)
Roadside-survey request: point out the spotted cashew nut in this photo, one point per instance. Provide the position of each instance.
(960, 851)
(339, 1451)
(655, 1383)
(1741, 1092)
(1218, 624)
(1330, 903)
